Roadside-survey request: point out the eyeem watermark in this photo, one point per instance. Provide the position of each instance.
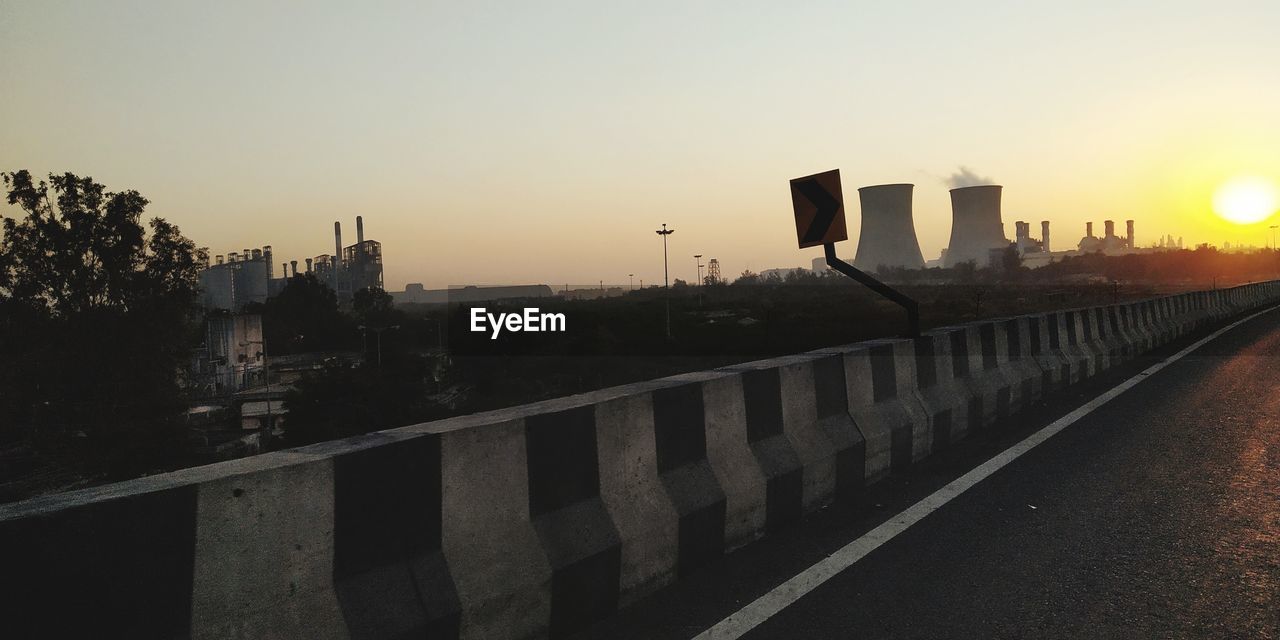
(530, 321)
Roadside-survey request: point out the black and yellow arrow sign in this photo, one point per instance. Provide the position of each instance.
(819, 208)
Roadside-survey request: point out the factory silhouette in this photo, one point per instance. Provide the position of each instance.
(240, 278)
(888, 238)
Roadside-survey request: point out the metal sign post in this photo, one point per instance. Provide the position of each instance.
(819, 211)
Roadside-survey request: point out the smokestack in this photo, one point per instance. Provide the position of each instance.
(219, 258)
(1088, 229)
(359, 230)
(257, 254)
(294, 264)
(308, 265)
(1044, 233)
(888, 236)
(337, 243)
(1128, 229)
(1021, 230)
(284, 270)
(976, 226)
(1110, 227)
(271, 266)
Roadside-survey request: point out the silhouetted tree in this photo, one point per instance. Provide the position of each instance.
(372, 304)
(304, 317)
(344, 400)
(98, 320)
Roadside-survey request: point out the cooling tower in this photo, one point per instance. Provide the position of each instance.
(976, 227)
(888, 236)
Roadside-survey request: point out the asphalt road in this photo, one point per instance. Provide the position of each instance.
(1155, 516)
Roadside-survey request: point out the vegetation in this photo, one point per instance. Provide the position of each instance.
(98, 318)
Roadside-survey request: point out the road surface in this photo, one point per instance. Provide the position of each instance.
(1156, 515)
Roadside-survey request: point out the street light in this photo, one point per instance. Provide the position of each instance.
(666, 283)
(266, 382)
(377, 331)
(698, 259)
(632, 276)
(664, 232)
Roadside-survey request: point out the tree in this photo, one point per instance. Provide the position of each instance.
(343, 400)
(372, 305)
(305, 317)
(99, 320)
(748, 277)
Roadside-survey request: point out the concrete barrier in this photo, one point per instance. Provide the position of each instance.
(536, 520)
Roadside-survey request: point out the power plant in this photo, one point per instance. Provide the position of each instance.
(888, 236)
(1108, 243)
(976, 225)
(246, 277)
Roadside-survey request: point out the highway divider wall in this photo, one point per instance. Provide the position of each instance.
(536, 520)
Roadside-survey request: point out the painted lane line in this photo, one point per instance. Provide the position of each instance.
(782, 596)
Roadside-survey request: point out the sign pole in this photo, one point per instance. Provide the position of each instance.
(819, 211)
(912, 308)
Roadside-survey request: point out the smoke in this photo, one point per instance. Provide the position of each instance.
(965, 177)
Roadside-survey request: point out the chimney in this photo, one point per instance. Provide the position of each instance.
(1128, 229)
(888, 235)
(1110, 228)
(359, 230)
(294, 264)
(1044, 233)
(271, 266)
(976, 226)
(308, 265)
(284, 270)
(1021, 230)
(337, 243)
(257, 254)
(219, 258)
(1088, 229)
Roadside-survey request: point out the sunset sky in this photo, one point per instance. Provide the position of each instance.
(544, 142)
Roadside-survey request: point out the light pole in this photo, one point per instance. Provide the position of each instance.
(377, 332)
(266, 386)
(632, 277)
(664, 232)
(666, 283)
(697, 258)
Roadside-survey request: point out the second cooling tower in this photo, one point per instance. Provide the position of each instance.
(976, 226)
(888, 237)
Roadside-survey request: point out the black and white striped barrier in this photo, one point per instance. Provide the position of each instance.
(536, 520)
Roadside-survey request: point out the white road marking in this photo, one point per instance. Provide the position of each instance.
(768, 605)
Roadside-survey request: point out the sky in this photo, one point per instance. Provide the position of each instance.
(544, 142)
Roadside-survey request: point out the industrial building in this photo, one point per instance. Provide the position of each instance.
(237, 279)
(241, 278)
(231, 357)
(351, 268)
(976, 226)
(1108, 243)
(888, 235)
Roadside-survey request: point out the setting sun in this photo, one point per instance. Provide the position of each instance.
(1245, 200)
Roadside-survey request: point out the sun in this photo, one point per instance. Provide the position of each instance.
(1245, 200)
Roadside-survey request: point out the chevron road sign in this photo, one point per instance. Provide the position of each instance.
(819, 208)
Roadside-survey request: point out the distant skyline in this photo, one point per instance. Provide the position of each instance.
(545, 142)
